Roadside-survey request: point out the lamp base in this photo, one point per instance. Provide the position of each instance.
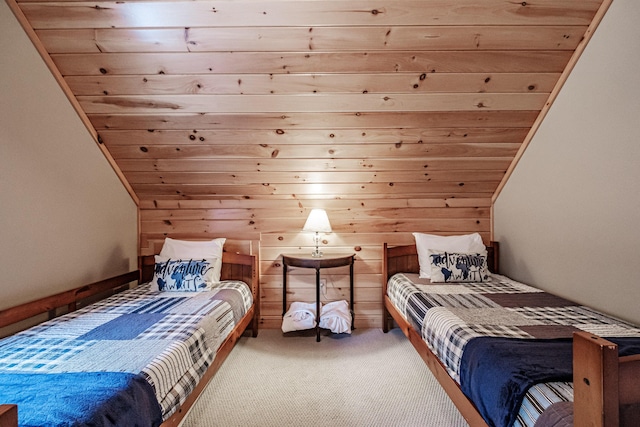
(317, 253)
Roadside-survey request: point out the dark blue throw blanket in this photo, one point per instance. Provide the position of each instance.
(88, 398)
(495, 373)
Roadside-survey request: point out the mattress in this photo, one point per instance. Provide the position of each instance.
(463, 322)
(151, 342)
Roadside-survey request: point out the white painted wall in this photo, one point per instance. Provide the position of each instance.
(65, 218)
(568, 219)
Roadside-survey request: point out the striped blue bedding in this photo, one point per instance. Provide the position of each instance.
(451, 316)
(139, 353)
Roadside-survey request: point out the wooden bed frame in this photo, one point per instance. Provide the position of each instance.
(606, 391)
(234, 267)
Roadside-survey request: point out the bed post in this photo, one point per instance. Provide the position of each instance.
(493, 258)
(385, 313)
(595, 381)
(8, 415)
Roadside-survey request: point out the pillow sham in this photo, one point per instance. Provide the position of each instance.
(196, 249)
(460, 243)
(449, 267)
(182, 275)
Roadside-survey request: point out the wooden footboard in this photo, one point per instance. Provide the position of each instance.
(606, 392)
(8, 415)
(605, 386)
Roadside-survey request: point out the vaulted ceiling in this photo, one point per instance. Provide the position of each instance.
(311, 99)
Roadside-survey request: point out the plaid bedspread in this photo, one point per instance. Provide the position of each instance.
(450, 315)
(169, 338)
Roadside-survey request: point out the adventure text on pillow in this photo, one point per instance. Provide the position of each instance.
(183, 275)
(458, 267)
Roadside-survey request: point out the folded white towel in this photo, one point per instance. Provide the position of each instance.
(300, 316)
(336, 317)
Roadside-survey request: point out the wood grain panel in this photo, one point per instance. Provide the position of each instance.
(265, 39)
(345, 242)
(333, 190)
(311, 103)
(266, 84)
(313, 136)
(312, 177)
(312, 165)
(150, 14)
(337, 204)
(525, 61)
(319, 152)
(329, 120)
(301, 214)
(224, 228)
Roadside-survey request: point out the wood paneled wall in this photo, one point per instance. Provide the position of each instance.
(360, 226)
(235, 118)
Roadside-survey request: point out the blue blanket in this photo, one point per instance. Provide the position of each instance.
(495, 373)
(88, 398)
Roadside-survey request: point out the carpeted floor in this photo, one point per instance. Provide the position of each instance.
(365, 379)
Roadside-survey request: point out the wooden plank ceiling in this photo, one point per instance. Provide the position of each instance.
(419, 101)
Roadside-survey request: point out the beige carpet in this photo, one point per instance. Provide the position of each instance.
(366, 379)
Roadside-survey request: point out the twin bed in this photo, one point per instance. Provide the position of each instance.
(140, 356)
(509, 354)
(506, 353)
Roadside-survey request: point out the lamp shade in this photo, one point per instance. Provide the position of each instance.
(318, 221)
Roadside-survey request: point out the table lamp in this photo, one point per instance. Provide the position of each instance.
(317, 222)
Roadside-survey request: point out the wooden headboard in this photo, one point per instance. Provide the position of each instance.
(234, 267)
(404, 259)
(239, 260)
